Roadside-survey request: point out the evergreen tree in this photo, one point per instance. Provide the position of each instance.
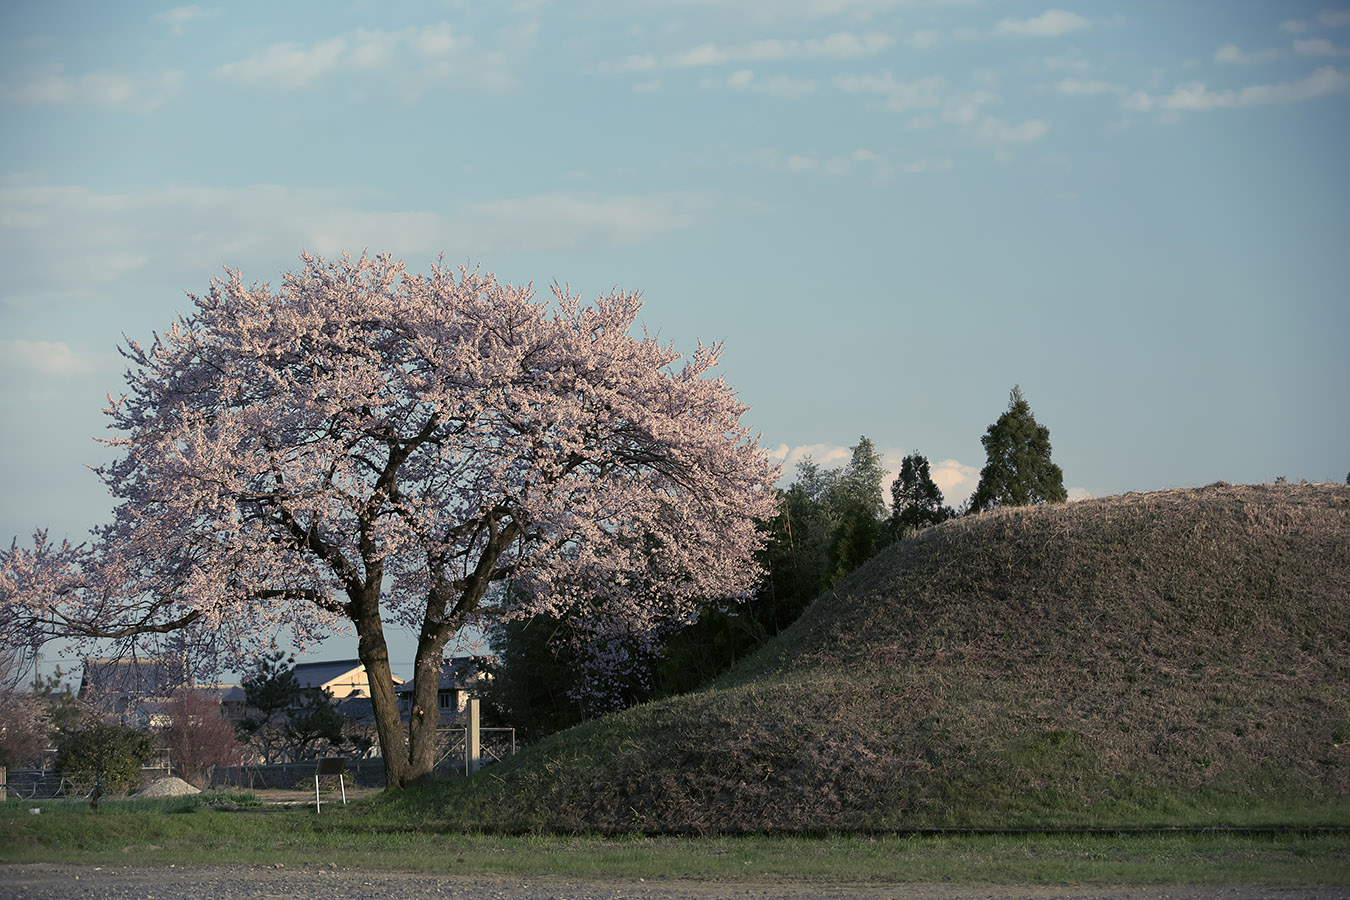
(1018, 471)
(532, 676)
(807, 527)
(916, 500)
(286, 722)
(857, 509)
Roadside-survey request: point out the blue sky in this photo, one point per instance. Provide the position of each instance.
(890, 211)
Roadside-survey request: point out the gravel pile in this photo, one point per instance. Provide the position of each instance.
(167, 787)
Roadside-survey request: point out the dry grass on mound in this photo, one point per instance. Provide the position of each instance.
(1158, 658)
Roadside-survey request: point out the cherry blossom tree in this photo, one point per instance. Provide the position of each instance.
(366, 445)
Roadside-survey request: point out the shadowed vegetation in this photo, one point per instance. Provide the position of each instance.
(1171, 658)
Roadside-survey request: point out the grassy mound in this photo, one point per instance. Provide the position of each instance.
(1180, 657)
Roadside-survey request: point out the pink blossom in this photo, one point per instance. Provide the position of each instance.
(367, 445)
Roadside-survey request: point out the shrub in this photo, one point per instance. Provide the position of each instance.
(115, 751)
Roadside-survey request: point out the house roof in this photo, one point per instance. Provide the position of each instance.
(455, 672)
(141, 676)
(224, 693)
(317, 674)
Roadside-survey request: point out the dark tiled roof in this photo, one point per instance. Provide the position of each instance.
(455, 672)
(139, 676)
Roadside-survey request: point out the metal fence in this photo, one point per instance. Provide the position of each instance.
(496, 744)
(294, 776)
(452, 760)
(48, 784)
(34, 784)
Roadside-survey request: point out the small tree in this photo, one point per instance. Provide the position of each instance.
(97, 749)
(25, 722)
(286, 722)
(198, 737)
(314, 727)
(1018, 471)
(916, 500)
(270, 690)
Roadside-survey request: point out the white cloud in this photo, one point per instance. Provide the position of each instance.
(47, 359)
(956, 480)
(762, 13)
(996, 131)
(1229, 53)
(841, 45)
(60, 242)
(918, 166)
(1293, 26)
(1051, 23)
(293, 67)
(827, 456)
(963, 108)
(1071, 60)
(1195, 95)
(1335, 18)
(411, 60)
(777, 85)
(1077, 493)
(897, 96)
(1080, 87)
(843, 165)
(1319, 47)
(105, 89)
(801, 163)
(180, 17)
(924, 38)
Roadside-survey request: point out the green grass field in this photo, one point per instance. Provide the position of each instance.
(191, 831)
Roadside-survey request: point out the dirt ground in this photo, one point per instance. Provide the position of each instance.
(55, 882)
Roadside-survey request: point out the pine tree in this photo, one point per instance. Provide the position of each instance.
(916, 500)
(1018, 471)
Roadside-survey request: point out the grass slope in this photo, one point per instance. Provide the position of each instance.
(1174, 658)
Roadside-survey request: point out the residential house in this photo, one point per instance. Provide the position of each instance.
(231, 697)
(124, 685)
(342, 678)
(461, 678)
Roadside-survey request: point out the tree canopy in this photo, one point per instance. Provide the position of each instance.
(916, 500)
(1018, 471)
(367, 445)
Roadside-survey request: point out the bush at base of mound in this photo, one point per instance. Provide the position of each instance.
(1172, 658)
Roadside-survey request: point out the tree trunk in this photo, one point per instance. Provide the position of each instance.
(374, 655)
(425, 716)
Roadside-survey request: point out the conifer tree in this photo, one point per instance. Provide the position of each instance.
(858, 510)
(916, 500)
(1018, 471)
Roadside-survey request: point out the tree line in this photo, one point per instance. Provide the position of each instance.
(828, 522)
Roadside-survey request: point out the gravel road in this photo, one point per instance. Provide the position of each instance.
(52, 882)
